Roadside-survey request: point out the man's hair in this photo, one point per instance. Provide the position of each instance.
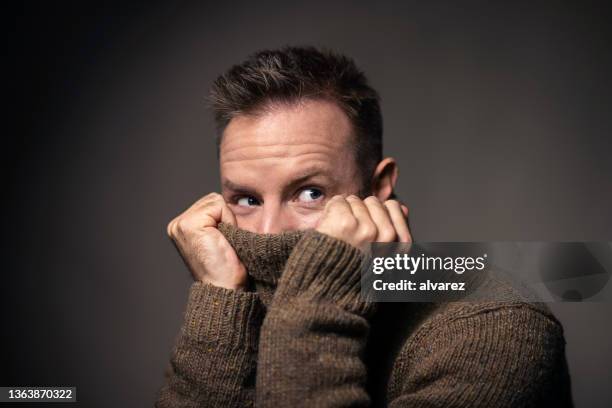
(292, 74)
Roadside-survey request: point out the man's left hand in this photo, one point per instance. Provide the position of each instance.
(360, 222)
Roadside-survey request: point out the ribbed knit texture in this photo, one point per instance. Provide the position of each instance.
(264, 255)
(214, 359)
(321, 345)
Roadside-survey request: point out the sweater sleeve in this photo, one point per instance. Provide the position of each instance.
(501, 356)
(314, 334)
(214, 360)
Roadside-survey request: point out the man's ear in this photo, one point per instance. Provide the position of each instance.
(384, 179)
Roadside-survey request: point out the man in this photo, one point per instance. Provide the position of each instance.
(275, 317)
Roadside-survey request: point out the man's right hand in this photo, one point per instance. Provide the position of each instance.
(208, 255)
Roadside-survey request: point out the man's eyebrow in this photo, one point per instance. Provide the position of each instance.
(301, 178)
(307, 175)
(230, 185)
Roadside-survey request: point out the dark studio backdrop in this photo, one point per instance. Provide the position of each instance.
(498, 113)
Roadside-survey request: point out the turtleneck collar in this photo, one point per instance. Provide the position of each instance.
(263, 255)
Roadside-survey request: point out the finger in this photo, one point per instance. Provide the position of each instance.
(207, 211)
(206, 200)
(359, 209)
(380, 216)
(337, 216)
(207, 214)
(170, 229)
(399, 220)
(227, 216)
(337, 205)
(367, 227)
(215, 207)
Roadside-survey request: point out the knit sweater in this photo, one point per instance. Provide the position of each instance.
(303, 336)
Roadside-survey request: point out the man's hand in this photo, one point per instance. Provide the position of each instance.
(360, 222)
(207, 253)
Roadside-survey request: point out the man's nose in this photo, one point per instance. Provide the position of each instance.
(272, 219)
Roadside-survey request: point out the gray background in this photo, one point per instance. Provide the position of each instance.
(498, 114)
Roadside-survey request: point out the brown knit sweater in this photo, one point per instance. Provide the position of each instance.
(304, 337)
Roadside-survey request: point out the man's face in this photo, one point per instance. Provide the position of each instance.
(279, 168)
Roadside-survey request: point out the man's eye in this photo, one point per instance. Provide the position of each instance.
(247, 201)
(309, 195)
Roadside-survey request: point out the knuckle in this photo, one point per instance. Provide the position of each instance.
(334, 202)
(393, 207)
(181, 226)
(392, 203)
(368, 231)
(387, 235)
(170, 229)
(347, 224)
(213, 198)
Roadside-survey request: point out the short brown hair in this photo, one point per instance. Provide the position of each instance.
(290, 74)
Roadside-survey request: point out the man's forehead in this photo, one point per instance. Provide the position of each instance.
(286, 129)
(305, 161)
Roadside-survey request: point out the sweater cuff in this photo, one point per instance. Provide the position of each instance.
(222, 316)
(325, 269)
